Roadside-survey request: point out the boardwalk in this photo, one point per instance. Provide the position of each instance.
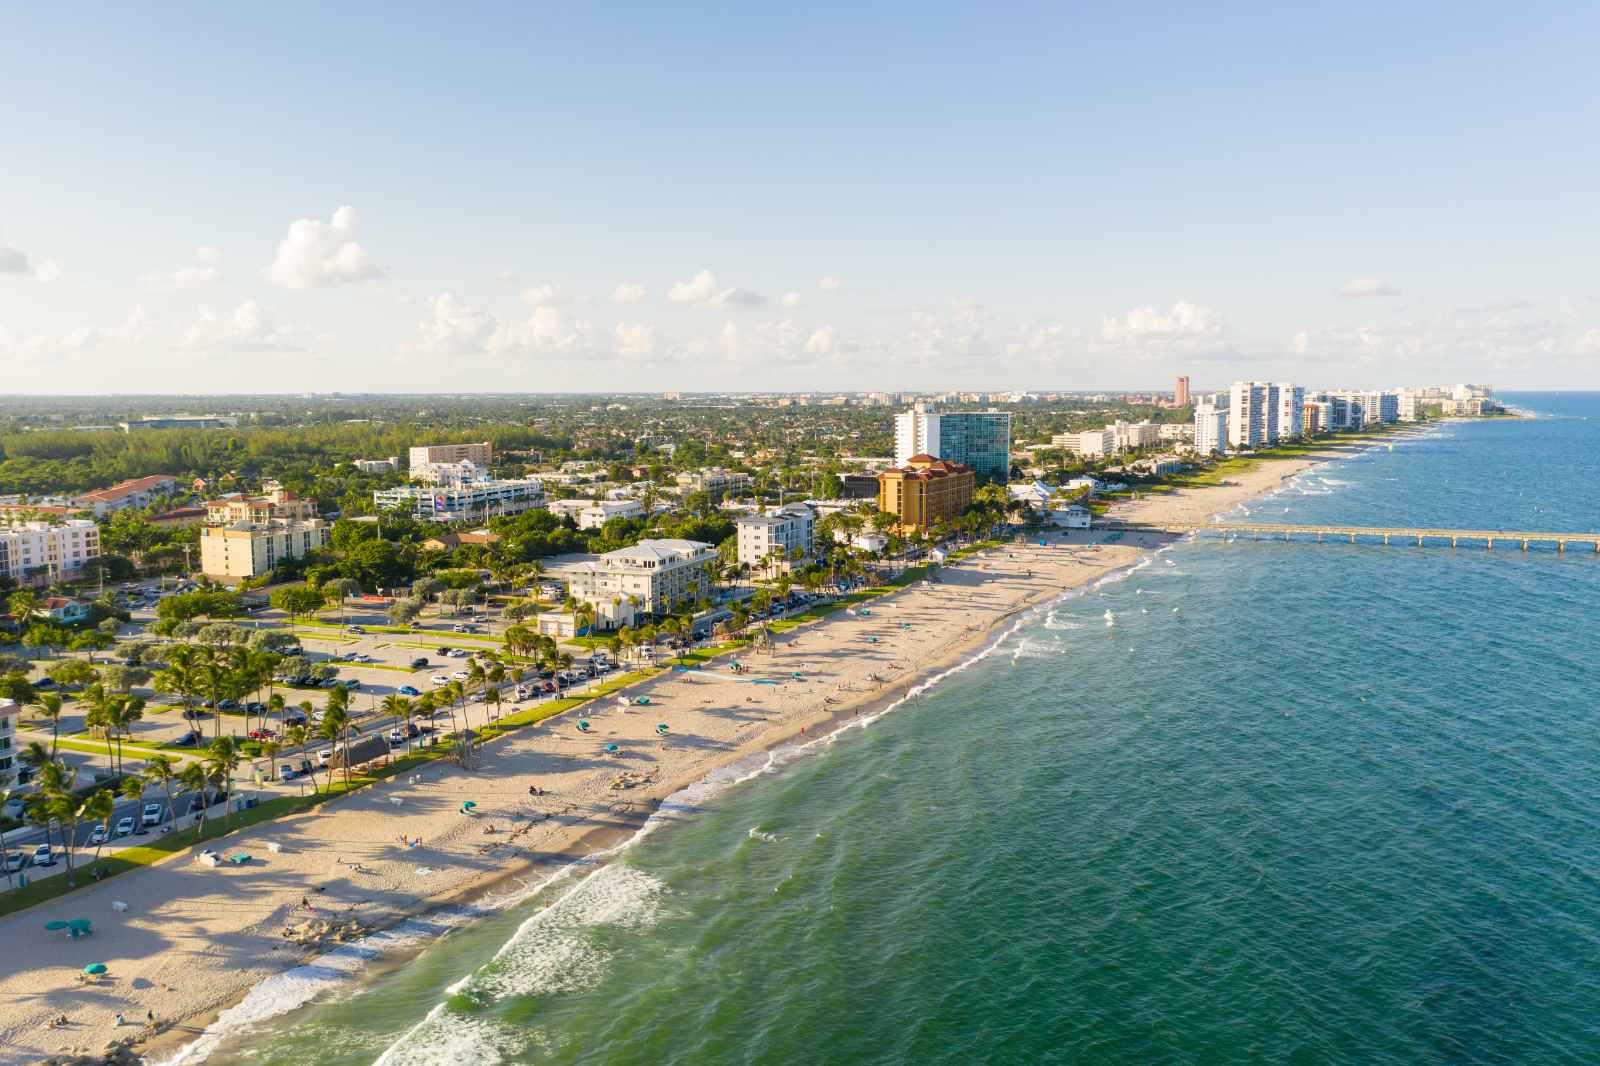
(1384, 534)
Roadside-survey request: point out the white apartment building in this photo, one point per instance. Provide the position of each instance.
(1251, 413)
(592, 514)
(1131, 435)
(249, 549)
(481, 454)
(651, 576)
(1210, 429)
(1290, 419)
(769, 541)
(715, 480)
(41, 552)
(139, 492)
(376, 466)
(8, 737)
(469, 501)
(1093, 442)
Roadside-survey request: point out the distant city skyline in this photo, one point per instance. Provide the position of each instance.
(204, 202)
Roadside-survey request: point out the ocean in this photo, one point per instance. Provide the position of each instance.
(1246, 802)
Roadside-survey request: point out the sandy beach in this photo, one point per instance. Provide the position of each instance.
(194, 939)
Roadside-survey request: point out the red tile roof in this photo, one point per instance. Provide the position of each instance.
(124, 489)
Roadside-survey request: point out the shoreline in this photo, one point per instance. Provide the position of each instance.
(604, 829)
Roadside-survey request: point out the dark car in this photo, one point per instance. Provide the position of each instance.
(228, 705)
(44, 683)
(188, 739)
(294, 718)
(419, 662)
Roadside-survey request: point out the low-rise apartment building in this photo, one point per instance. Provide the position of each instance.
(592, 514)
(244, 550)
(8, 737)
(715, 480)
(278, 502)
(138, 492)
(780, 540)
(36, 553)
(469, 501)
(650, 577)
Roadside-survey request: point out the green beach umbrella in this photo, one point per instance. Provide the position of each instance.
(611, 747)
(55, 926)
(95, 969)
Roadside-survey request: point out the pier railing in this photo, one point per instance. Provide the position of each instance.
(1374, 534)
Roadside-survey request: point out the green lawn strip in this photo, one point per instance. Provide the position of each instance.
(100, 747)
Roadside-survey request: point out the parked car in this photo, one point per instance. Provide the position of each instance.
(286, 772)
(124, 826)
(350, 683)
(354, 629)
(15, 861)
(419, 663)
(396, 737)
(458, 653)
(98, 835)
(324, 757)
(408, 690)
(43, 856)
(152, 814)
(459, 675)
(439, 679)
(13, 808)
(227, 705)
(43, 684)
(294, 718)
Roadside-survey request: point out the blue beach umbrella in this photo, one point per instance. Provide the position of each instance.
(95, 969)
(55, 926)
(611, 747)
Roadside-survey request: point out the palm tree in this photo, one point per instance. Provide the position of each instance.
(50, 706)
(99, 807)
(340, 589)
(159, 770)
(222, 758)
(495, 678)
(195, 781)
(399, 707)
(452, 692)
(334, 727)
(22, 604)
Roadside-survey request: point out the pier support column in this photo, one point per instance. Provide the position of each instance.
(1452, 542)
(1386, 540)
(1561, 547)
(1491, 544)
(1419, 540)
(1352, 538)
(1524, 543)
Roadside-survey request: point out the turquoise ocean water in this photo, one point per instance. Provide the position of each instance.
(1298, 804)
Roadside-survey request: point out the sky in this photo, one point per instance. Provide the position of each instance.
(401, 198)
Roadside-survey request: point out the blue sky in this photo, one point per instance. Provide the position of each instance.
(822, 197)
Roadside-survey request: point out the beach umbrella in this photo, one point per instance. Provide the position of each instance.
(95, 969)
(611, 747)
(55, 926)
(82, 924)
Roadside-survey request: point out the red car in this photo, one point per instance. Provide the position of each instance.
(262, 734)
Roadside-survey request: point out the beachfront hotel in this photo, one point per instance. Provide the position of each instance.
(40, 552)
(650, 577)
(1210, 428)
(925, 491)
(980, 440)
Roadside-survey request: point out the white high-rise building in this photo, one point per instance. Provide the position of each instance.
(770, 541)
(979, 439)
(1210, 429)
(1291, 401)
(1251, 414)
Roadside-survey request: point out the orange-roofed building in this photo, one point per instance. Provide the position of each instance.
(926, 491)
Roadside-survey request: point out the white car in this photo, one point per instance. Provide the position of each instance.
(460, 675)
(124, 827)
(324, 757)
(440, 679)
(457, 653)
(152, 814)
(98, 836)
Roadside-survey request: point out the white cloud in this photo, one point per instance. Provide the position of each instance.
(549, 332)
(204, 270)
(1182, 325)
(791, 299)
(455, 328)
(509, 277)
(820, 342)
(250, 327)
(315, 253)
(703, 291)
(634, 340)
(628, 293)
(14, 261)
(1360, 288)
(1461, 342)
(545, 296)
(136, 327)
(828, 284)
